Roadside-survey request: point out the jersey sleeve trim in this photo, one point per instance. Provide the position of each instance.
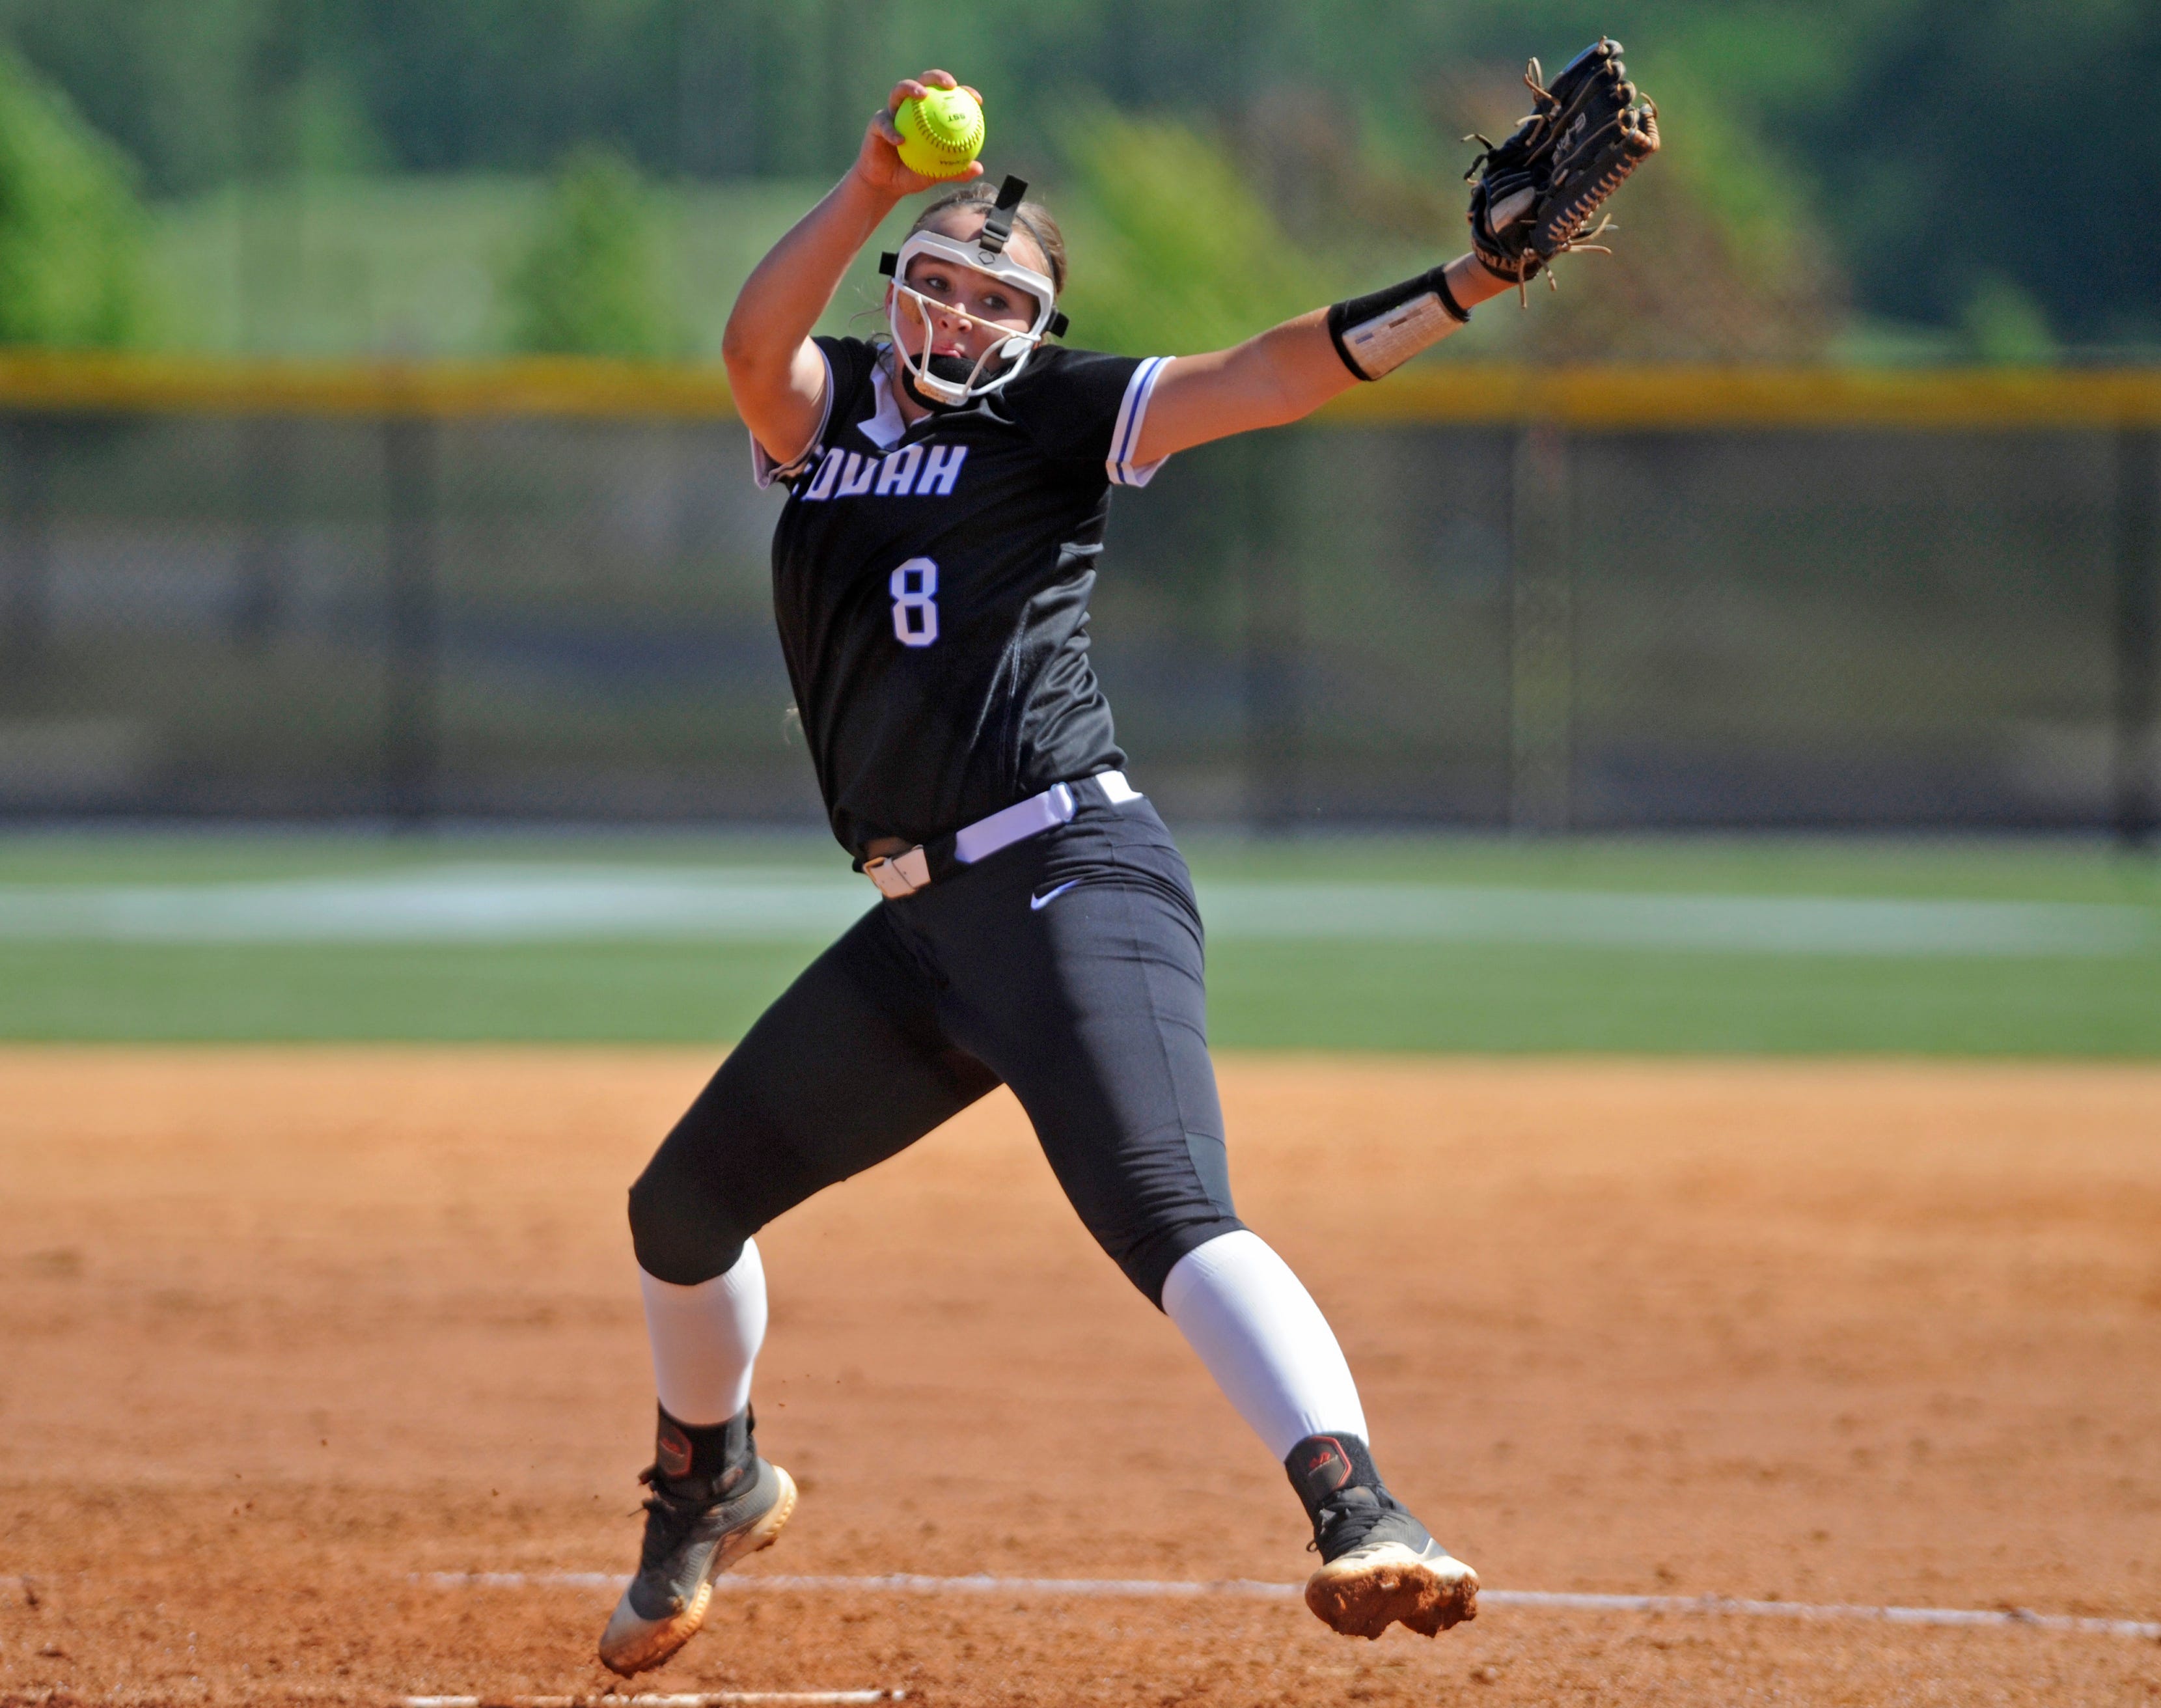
(764, 469)
(1132, 416)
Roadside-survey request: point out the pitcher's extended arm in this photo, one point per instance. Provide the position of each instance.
(1290, 370)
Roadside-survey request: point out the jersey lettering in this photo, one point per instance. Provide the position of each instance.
(932, 589)
(844, 474)
(828, 470)
(898, 471)
(856, 478)
(914, 586)
(941, 470)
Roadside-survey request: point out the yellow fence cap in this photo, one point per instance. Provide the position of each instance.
(1594, 399)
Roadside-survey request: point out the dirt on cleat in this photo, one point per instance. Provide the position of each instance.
(1364, 1593)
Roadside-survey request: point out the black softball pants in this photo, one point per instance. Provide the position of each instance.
(1067, 966)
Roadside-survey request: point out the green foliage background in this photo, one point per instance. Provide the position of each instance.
(70, 231)
(1150, 275)
(1894, 177)
(591, 283)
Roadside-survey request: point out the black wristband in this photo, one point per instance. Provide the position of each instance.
(1376, 333)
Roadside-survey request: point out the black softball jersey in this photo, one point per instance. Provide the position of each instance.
(931, 587)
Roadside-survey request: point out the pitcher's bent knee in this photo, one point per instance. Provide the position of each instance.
(1149, 1260)
(680, 1231)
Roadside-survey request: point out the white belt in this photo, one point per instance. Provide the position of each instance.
(903, 874)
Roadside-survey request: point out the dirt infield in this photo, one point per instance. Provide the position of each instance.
(279, 1331)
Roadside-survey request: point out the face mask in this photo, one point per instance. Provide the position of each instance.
(955, 371)
(949, 381)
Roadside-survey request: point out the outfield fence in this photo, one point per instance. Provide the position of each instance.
(1550, 601)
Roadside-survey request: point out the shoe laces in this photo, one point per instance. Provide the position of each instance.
(1346, 1520)
(670, 1514)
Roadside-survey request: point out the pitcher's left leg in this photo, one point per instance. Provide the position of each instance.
(1272, 1352)
(1091, 1005)
(1075, 970)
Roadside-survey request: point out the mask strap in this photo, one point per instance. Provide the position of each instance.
(997, 224)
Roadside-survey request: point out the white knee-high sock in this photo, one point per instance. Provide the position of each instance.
(1264, 1340)
(705, 1338)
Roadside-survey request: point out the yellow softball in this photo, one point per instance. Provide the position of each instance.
(940, 133)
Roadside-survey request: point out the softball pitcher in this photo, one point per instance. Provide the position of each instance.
(947, 490)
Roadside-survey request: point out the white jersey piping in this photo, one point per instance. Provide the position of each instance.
(1132, 416)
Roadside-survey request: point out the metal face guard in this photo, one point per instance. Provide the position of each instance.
(1013, 351)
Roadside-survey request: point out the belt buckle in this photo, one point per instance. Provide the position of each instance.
(899, 875)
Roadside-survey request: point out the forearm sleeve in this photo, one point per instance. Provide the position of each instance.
(1377, 333)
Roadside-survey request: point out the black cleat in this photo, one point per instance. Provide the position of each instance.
(698, 1522)
(1378, 1564)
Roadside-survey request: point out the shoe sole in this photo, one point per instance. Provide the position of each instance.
(1364, 1593)
(633, 1645)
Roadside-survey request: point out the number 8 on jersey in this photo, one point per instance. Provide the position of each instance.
(915, 602)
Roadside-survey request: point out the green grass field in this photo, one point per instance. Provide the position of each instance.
(1401, 943)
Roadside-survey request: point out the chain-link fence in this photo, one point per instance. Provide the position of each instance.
(431, 614)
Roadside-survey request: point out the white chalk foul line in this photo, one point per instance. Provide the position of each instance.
(907, 1583)
(1822, 1610)
(701, 1699)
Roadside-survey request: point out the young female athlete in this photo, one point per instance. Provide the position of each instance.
(947, 493)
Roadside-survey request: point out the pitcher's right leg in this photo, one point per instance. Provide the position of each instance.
(847, 1068)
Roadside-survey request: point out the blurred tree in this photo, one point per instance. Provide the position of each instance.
(1924, 136)
(1173, 251)
(169, 83)
(1717, 254)
(71, 228)
(2004, 141)
(2004, 325)
(329, 130)
(592, 283)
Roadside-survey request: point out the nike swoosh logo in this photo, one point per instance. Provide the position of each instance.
(1037, 904)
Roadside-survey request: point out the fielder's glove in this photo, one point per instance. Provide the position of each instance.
(1537, 191)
